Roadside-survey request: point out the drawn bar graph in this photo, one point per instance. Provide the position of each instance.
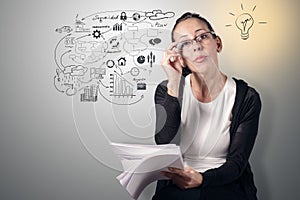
(120, 87)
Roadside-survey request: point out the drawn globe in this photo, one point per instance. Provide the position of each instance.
(136, 16)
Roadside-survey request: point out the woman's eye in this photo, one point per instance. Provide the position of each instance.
(203, 36)
(186, 43)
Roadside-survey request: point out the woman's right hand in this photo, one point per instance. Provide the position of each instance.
(173, 69)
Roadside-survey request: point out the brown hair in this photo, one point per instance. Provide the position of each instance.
(189, 15)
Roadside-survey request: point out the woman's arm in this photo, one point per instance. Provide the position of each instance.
(168, 113)
(241, 145)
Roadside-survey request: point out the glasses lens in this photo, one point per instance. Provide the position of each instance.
(187, 44)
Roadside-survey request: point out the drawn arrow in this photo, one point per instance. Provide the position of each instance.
(62, 56)
(55, 51)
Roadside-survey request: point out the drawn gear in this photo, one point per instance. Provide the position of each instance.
(96, 34)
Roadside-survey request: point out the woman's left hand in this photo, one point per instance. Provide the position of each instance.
(184, 179)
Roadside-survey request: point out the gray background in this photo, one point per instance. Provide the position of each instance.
(46, 145)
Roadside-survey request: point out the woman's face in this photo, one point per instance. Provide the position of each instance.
(199, 55)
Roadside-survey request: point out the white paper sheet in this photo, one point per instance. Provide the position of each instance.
(142, 164)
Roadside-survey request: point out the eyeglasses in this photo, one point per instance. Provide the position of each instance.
(202, 39)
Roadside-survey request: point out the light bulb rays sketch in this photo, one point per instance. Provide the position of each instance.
(244, 22)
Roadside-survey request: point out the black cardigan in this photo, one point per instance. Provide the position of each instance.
(243, 131)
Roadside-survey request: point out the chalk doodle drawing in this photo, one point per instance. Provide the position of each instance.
(110, 54)
(244, 22)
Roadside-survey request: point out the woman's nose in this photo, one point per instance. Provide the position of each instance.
(197, 46)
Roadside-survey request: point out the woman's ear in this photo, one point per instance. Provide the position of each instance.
(219, 44)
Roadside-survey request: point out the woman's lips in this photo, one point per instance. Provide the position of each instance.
(200, 59)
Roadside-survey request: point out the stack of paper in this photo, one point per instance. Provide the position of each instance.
(142, 164)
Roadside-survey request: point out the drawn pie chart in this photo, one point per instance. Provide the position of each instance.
(141, 59)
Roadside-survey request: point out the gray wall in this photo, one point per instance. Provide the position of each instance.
(53, 148)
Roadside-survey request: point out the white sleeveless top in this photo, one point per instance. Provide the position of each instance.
(205, 127)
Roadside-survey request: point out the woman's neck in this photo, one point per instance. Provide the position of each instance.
(206, 87)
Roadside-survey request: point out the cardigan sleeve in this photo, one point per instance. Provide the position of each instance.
(242, 143)
(168, 113)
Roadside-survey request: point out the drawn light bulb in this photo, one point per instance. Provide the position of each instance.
(244, 22)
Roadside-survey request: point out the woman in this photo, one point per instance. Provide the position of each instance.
(215, 116)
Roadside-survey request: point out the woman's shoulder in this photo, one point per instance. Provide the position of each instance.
(161, 88)
(245, 92)
(243, 86)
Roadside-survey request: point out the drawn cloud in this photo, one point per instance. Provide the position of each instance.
(75, 70)
(158, 14)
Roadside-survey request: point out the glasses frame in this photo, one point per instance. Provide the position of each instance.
(196, 39)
